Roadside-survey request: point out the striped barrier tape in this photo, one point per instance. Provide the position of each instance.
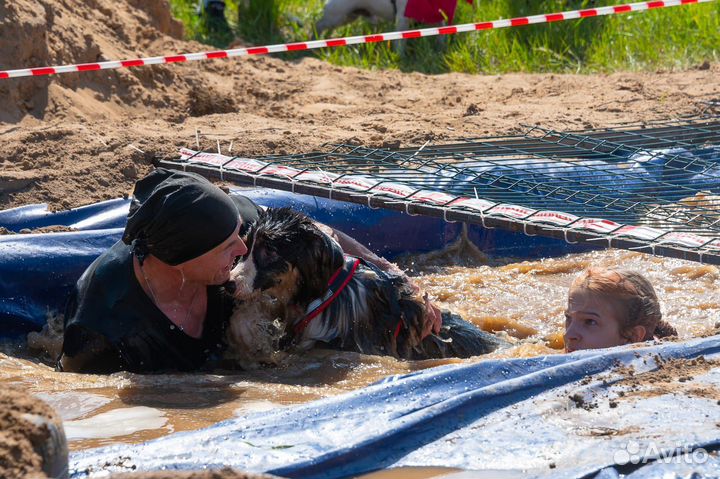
(341, 42)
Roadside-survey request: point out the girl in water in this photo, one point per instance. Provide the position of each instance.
(609, 308)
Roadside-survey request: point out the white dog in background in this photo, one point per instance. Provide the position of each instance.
(341, 12)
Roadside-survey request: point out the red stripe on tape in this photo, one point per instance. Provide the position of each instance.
(4, 75)
(447, 30)
(484, 26)
(622, 9)
(258, 51)
(655, 4)
(685, 2)
(591, 12)
(176, 59)
(336, 43)
(42, 71)
(555, 17)
(374, 38)
(85, 67)
(294, 47)
(219, 54)
(132, 63)
(518, 22)
(413, 34)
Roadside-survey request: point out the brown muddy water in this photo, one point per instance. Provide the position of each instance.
(523, 301)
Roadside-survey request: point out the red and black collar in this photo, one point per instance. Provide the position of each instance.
(337, 283)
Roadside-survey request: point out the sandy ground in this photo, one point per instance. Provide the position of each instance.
(32, 441)
(74, 139)
(33, 445)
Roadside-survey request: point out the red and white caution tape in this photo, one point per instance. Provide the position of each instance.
(341, 42)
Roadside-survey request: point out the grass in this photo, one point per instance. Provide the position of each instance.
(664, 39)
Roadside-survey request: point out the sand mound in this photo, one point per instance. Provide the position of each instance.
(32, 441)
(55, 32)
(33, 445)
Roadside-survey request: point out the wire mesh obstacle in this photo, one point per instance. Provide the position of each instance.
(646, 187)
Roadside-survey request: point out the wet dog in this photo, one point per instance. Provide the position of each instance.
(295, 290)
(341, 12)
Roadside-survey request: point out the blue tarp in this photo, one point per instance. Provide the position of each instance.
(556, 416)
(560, 416)
(37, 271)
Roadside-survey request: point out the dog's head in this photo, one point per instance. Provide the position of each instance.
(289, 258)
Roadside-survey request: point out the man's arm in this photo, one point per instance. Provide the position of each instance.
(353, 248)
(85, 351)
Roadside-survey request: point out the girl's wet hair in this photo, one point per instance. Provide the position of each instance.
(639, 305)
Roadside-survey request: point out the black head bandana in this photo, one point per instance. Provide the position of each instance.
(177, 216)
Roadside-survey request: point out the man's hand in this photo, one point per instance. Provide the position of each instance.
(433, 318)
(432, 322)
(352, 247)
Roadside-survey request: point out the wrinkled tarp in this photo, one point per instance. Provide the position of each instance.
(37, 271)
(559, 416)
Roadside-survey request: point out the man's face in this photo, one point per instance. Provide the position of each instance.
(591, 322)
(213, 268)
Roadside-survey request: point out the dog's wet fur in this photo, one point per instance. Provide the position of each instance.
(289, 264)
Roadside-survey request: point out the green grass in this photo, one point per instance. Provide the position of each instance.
(664, 39)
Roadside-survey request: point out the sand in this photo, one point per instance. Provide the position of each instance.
(78, 138)
(74, 139)
(33, 444)
(671, 377)
(32, 441)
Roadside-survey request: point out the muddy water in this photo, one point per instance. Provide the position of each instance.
(522, 301)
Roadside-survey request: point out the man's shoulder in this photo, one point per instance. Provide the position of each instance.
(106, 299)
(111, 263)
(103, 285)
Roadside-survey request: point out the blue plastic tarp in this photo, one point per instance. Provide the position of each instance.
(553, 416)
(37, 271)
(561, 416)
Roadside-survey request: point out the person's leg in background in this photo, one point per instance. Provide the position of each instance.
(213, 13)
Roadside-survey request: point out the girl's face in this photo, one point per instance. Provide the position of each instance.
(591, 322)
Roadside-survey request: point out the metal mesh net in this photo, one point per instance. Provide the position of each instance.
(648, 186)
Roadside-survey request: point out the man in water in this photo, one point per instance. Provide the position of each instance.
(154, 301)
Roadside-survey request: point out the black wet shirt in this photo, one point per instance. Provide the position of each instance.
(113, 325)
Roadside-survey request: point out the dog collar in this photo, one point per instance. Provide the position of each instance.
(338, 281)
(336, 284)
